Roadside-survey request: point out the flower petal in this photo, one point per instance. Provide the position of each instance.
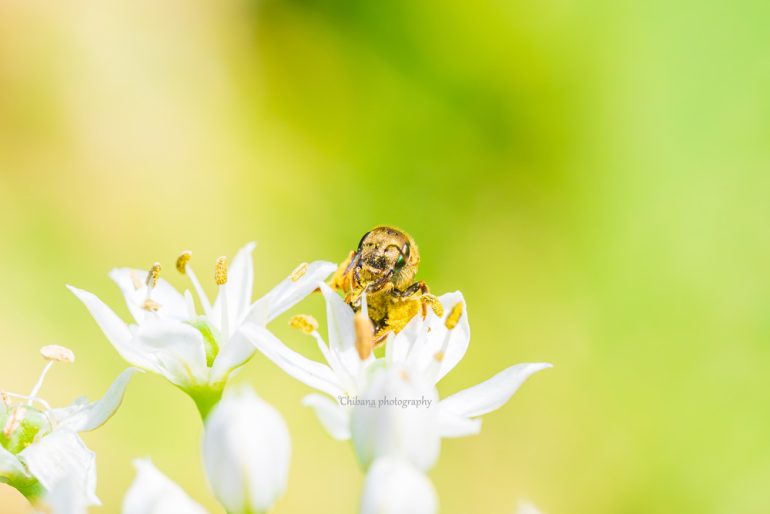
(116, 330)
(451, 345)
(62, 455)
(246, 452)
(312, 373)
(238, 350)
(452, 425)
(178, 350)
(240, 282)
(392, 486)
(10, 467)
(491, 394)
(80, 417)
(334, 418)
(289, 292)
(153, 492)
(132, 283)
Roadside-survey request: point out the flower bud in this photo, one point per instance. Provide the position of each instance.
(392, 486)
(246, 452)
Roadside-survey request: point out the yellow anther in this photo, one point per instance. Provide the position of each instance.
(56, 353)
(220, 271)
(298, 272)
(182, 260)
(304, 323)
(153, 275)
(439, 356)
(151, 305)
(364, 335)
(454, 316)
(404, 375)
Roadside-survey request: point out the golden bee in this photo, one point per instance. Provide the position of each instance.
(384, 266)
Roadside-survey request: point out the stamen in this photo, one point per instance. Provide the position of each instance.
(220, 271)
(17, 414)
(304, 323)
(182, 260)
(298, 272)
(150, 305)
(183, 266)
(54, 352)
(153, 276)
(152, 280)
(220, 277)
(364, 335)
(454, 316)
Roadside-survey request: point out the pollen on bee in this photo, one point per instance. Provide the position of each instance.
(304, 323)
(454, 316)
(153, 275)
(56, 353)
(220, 271)
(182, 260)
(364, 335)
(299, 272)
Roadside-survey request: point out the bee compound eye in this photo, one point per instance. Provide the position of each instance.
(406, 250)
(400, 262)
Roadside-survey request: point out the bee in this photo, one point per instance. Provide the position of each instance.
(384, 266)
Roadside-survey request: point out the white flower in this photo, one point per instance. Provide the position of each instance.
(196, 352)
(40, 452)
(393, 486)
(407, 432)
(152, 492)
(424, 351)
(246, 452)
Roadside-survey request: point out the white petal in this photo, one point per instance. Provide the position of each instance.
(238, 350)
(289, 292)
(342, 337)
(178, 350)
(65, 498)
(171, 301)
(435, 340)
(392, 486)
(452, 425)
(339, 318)
(152, 492)
(394, 430)
(491, 394)
(309, 372)
(246, 452)
(62, 455)
(10, 467)
(334, 418)
(115, 329)
(81, 417)
(240, 282)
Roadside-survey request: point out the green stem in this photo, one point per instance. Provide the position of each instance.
(205, 399)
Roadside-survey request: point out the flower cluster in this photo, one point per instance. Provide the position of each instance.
(387, 405)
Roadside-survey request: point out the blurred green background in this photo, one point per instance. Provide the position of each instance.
(592, 175)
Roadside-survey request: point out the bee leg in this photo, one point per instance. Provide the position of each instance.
(418, 287)
(337, 282)
(429, 300)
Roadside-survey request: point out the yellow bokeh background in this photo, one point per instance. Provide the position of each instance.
(592, 175)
